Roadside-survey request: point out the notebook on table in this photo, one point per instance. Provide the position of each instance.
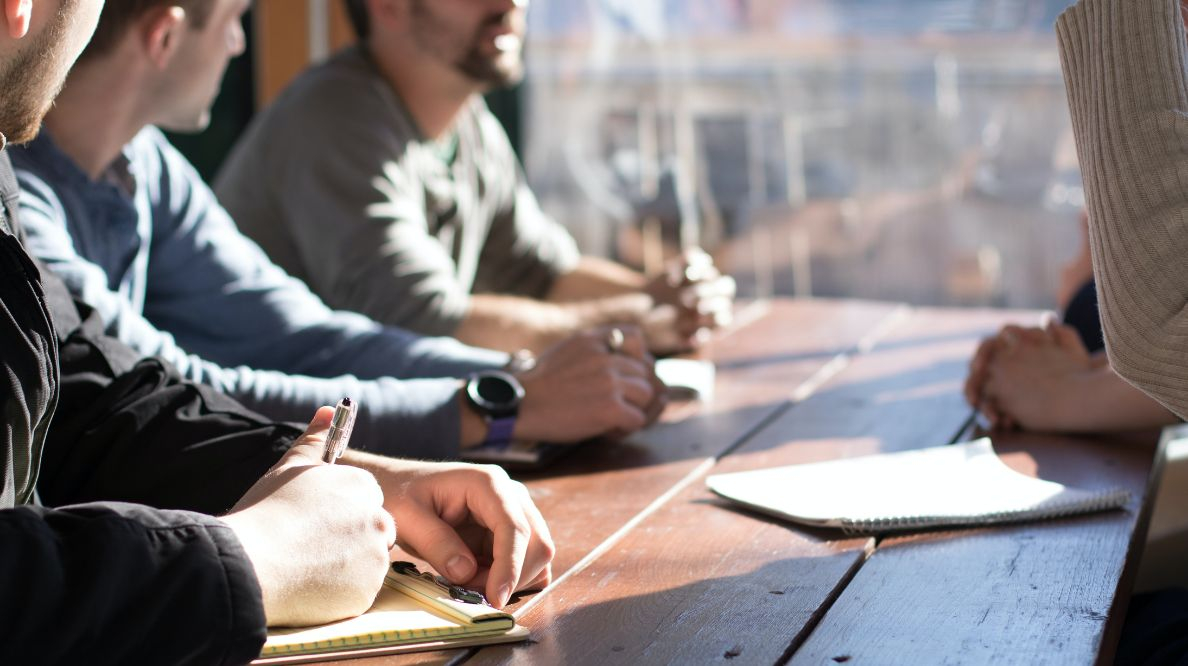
(962, 484)
(415, 611)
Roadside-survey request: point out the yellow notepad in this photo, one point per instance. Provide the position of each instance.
(411, 613)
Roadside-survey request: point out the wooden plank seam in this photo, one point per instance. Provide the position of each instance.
(802, 392)
(868, 550)
(963, 433)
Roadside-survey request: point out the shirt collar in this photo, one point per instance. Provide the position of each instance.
(119, 174)
(45, 152)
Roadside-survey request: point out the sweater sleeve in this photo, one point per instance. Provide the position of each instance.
(1124, 64)
(124, 584)
(331, 354)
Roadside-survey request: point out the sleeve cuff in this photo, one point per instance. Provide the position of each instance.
(248, 624)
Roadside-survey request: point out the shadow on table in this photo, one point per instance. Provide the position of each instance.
(754, 617)
(886, 410)
(698, 436)
(820, 534)
(893, 345)
(921, 407)
(910, 405)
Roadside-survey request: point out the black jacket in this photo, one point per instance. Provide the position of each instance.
(128, 566)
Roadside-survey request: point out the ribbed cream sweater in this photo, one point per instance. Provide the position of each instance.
(1126, 70)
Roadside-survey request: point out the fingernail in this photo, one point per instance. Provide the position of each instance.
(458, 568)
(504, 595)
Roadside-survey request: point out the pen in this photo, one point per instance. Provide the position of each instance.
(340, 430)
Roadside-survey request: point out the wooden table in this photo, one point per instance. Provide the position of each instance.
(652, 568)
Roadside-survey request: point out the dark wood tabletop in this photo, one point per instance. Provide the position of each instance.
(652, 568)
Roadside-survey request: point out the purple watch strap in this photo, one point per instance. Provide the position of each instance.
(499, 430)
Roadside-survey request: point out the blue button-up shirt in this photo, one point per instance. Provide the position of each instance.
(150, 248)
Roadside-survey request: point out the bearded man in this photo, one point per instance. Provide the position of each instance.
(382, 180)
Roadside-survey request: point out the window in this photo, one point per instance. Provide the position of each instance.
(912, 150)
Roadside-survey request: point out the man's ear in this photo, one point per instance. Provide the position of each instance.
(160, 32)
(18, 14)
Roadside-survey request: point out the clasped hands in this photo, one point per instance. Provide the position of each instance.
(691, 298)
(1028, 377)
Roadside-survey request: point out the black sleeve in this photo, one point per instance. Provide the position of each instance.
(123, 584)
(130, 429)
(115, 583)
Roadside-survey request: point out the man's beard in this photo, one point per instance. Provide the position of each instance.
(30, 80)
(501, 69)
(495, 72)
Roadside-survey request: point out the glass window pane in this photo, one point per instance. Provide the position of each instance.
(912, 150)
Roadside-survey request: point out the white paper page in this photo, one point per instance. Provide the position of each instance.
(963, 483)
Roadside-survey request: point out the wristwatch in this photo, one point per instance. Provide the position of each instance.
(496, 396)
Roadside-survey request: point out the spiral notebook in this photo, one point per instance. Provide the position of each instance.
(962, 484)
(414, 611)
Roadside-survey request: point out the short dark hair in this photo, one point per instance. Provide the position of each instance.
(360, 19)
(119, 15)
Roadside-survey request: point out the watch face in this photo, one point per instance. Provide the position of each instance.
(496, 390)
(496, 393)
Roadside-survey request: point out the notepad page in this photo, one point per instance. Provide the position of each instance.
(395, 617)
(959, 484)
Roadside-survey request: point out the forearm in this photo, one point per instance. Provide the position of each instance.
(148, 438)
(596, 278)
(1124, 66)
(119, 583)
(511, 323)
(1104, 402)
(306, 340)
(407, 417)
(375, 463)
(415, 418)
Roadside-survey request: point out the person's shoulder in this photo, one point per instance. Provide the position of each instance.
(479, 115)
(42, 157)
(152, 155)
(339, 102)
(346, 83)
(149, 139)
(46, 175)
(151, 146)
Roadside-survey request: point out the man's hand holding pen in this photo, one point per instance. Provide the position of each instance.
(341, 426)
(317, 535)
(320, 535)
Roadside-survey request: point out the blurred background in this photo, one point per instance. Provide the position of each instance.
(910, 150)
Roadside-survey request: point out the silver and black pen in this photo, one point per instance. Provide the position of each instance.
(340, 430)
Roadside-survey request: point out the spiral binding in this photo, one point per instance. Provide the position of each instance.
(1111, 499)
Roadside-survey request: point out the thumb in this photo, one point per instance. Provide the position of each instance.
(1067, 337)
(423, 532)
(307, 450)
